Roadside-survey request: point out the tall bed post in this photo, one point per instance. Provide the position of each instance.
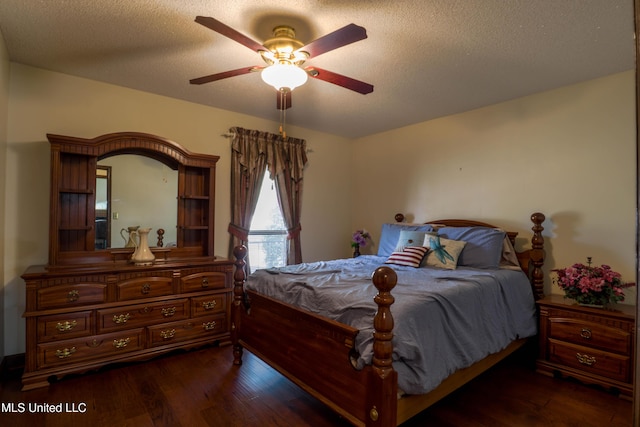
(239, 276)
(383, 389)
(537, 255)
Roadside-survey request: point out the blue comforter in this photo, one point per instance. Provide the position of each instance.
(445, 320)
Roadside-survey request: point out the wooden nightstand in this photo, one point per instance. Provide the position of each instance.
(593, 345)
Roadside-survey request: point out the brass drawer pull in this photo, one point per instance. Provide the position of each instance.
(205, 282)
(168, 312)
(121, 343)
(585, 333)
(63, 354)
(146, 288)
(121, 318)
(73, 295)
(209, 325)
(209, 305)
(66, 326)
(168, 334)
(585, 359)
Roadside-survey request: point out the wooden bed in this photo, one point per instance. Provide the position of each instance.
(316, 353)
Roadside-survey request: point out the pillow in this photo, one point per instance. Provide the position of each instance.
(410, 238)
(509, 257)
(443, 252)
(483, 248)
(410, 256)
(391, 233)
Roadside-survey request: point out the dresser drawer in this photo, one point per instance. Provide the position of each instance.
(590, 360)
(135, 316)
(64, 326)
(203, 281)
(76, 294)
(96, 347)
(185, 330)
(208, 304)
(590, 334)
(144, 287)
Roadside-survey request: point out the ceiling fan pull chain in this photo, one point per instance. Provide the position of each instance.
(284, 119)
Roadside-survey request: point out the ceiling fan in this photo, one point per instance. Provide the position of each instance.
(284, 56)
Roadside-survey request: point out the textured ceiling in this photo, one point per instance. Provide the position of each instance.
(426, 59)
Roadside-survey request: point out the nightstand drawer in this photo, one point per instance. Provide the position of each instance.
(590, 334)
(609, 365)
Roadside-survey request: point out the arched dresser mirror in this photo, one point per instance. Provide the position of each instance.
(73, 196)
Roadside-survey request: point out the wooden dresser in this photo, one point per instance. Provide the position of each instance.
(91, 305)
(593, 345)
(86, 318)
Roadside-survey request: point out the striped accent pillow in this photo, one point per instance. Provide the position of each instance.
(410, 256)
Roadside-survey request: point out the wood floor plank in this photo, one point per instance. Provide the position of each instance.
(202, 388)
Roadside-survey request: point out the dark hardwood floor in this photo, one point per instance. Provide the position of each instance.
(203, 388)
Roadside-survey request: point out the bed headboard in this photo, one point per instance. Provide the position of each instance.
(531, 260)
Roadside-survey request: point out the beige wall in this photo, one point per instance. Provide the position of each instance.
(44, 102)
(569, 153)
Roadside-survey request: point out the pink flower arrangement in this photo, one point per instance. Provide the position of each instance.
(359, 238)
(591, 285)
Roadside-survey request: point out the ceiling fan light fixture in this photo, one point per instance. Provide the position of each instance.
(284, 75)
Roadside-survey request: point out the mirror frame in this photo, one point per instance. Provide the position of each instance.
(73, 188)
(107, 176)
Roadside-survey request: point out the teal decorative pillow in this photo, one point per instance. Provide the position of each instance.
(410, 256)
(443, 253)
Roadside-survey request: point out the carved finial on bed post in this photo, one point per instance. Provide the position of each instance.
(239, 276)
(537, 254)
(384, 279)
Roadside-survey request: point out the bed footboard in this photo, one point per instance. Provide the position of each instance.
(317, 353)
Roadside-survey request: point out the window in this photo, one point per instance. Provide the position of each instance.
(267, 234)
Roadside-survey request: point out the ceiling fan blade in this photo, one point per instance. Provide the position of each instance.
(286, 98)
(224, 75)
(229, 32)
(340, 80)
(342, 37)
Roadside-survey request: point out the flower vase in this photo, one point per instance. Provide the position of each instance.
(356, 250)
(143, 255)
